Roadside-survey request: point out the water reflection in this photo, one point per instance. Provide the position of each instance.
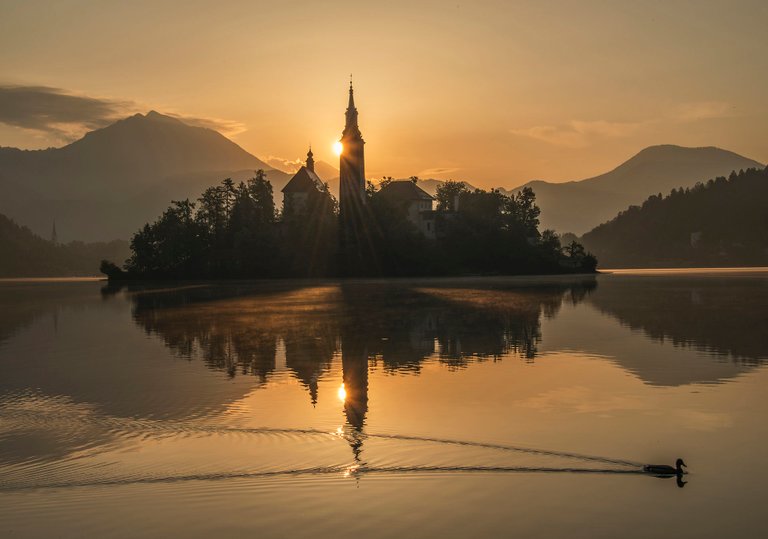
(251, 328)
(238, 328)
(166, 389)
(241, 329)
(705, 312)
(706, 325)
(21, 303)
(253, 332)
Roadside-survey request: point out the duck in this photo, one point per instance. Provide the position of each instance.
(664, 469)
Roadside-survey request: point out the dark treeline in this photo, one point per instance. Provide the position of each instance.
(722, 222)
(235, 231)
(25, 254)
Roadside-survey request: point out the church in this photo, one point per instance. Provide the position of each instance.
(352, 183)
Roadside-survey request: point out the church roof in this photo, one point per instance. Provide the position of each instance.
(303, 181)
(405, 190)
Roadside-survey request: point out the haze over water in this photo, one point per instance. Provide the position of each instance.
(478, 407)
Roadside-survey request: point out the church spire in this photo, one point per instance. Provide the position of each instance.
(310, 159)
(351, 109)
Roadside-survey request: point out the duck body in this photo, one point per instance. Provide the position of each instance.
(664, 469)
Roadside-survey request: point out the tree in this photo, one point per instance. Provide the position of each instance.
(309, 236)
(168, 246)
(252, 228)
(523, 211)
(234, 231)
(448, 194)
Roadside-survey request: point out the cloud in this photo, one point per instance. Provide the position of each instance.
(578, 133)
(286, 165)
(703, 110)
(437, 172)
(606, 129)
(63, 116)
(228, 128)
(558, 136)
(58, 112)
(583, 133)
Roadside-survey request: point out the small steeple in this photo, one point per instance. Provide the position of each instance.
(54, 235)
(310, 159)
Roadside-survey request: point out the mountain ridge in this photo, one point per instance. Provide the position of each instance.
(578, 206)
(85, 185)
(718, 223)
(108, 183)
(26, 254)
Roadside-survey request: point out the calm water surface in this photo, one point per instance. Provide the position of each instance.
(427, 408)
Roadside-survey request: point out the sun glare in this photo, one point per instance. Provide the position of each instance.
(337, 147)
(342, 393)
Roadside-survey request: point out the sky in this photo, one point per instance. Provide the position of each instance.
(494, 93)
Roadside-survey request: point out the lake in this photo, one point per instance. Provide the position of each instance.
(478, 407)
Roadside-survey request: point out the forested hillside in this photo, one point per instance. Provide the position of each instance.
(723, 222)
(24, 254)
(579, 206)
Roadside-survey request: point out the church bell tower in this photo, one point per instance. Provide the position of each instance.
(351, 161)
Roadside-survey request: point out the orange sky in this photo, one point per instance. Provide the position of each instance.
(496, 93)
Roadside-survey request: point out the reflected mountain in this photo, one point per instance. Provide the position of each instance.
(23, 302)
(705, 313)
(712, 316)
(63, 341)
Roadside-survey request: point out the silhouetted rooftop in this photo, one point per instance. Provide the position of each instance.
(405, 190)
(304, 180)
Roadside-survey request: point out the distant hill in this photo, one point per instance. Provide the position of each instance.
(579, 206)
(721, 223)
(25, 254)
(430, 185)
(326, 171)
(111, 181)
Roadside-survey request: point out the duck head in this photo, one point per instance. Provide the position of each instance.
(679, 465)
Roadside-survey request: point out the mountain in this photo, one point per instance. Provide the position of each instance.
(430, 185)
(578, 206)
(26, 254)
(111, 181)
(326, 172)
(721, 223)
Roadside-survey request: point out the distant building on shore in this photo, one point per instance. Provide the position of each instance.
(418, 204)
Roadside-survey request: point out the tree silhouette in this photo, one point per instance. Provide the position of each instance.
(718, 223)
(234, 231)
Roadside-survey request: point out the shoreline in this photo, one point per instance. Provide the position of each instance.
(521, 277)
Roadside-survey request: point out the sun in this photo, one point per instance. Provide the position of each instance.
(338, 147)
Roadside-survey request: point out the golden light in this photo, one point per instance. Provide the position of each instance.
(338, 147)
(342, 393)
(351, 470)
